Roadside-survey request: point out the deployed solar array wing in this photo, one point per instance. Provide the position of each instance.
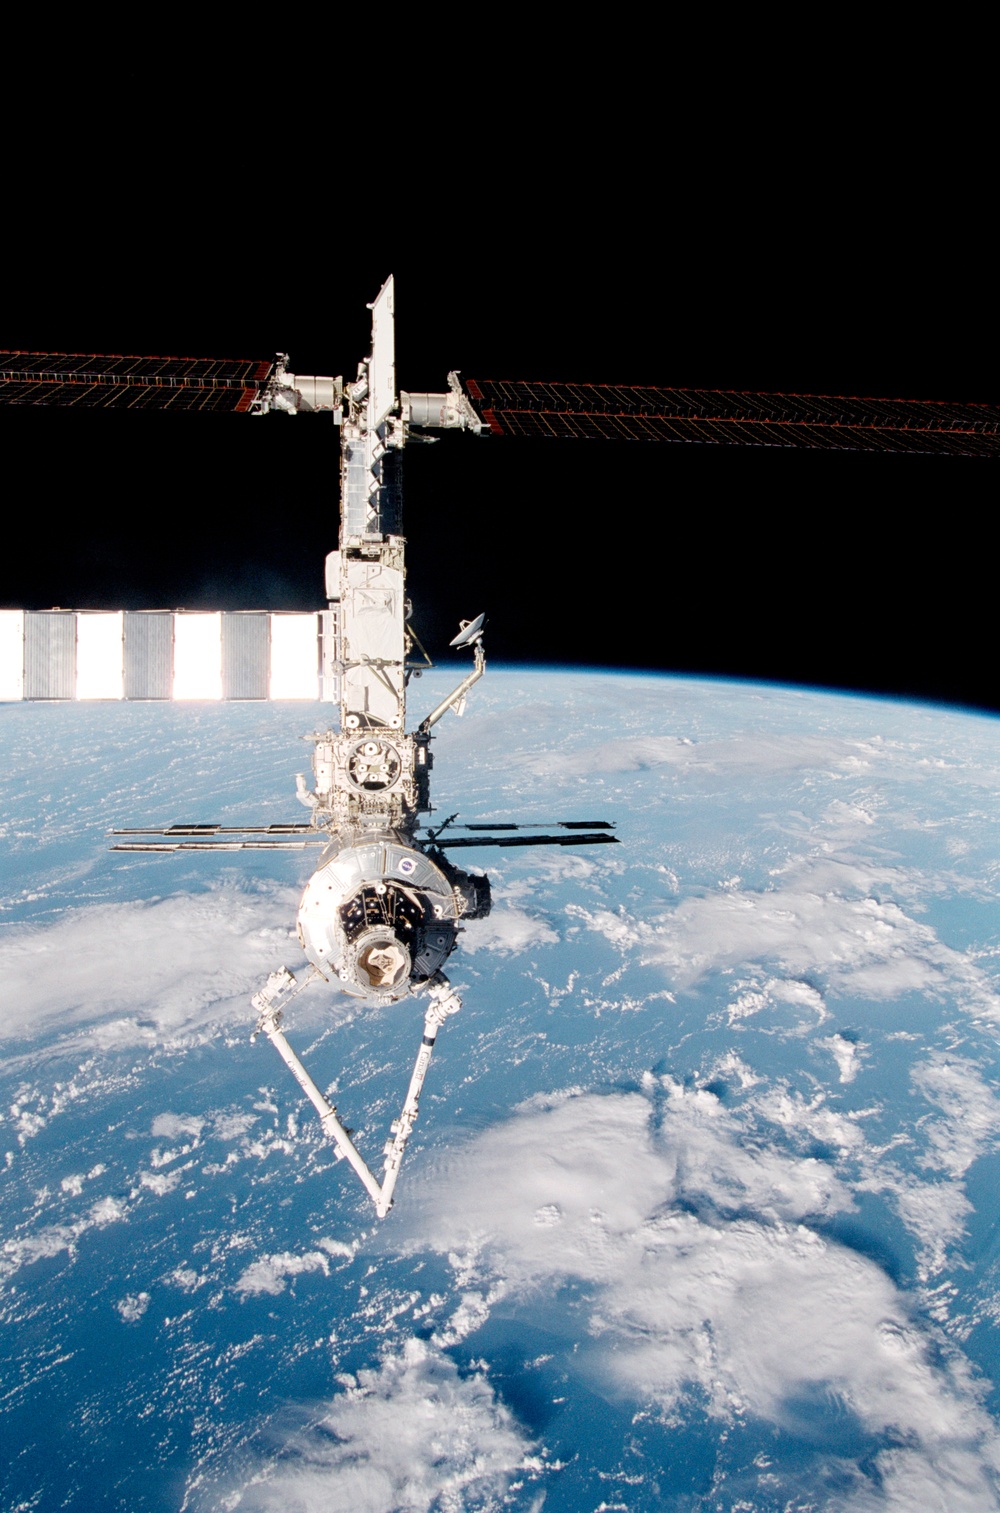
(204, 831)
(93, 381)
(294, 837)
(562, 824)
(581, 833)
(223, 838)
(602, 838)
(621, 413)
(272, 843)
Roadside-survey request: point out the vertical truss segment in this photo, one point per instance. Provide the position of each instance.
(366, 577)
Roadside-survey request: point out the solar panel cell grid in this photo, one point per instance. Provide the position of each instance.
(127, 396)
(52, 367)
(618, 412)
(88, 380)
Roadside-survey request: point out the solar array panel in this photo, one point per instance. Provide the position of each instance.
(95, 381)
(621, 413)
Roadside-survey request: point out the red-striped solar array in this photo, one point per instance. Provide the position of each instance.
(620, 413)
(135, 383)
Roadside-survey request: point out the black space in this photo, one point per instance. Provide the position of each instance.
(719, 233)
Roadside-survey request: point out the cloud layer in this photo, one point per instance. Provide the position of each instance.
(820, 919)
(710, 1288)
(410, 1435)
(171, 965)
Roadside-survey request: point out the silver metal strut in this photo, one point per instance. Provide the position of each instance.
(279, 988)
(443, 1003)
(456, 699)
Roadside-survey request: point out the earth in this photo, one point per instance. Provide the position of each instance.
(701, 1210)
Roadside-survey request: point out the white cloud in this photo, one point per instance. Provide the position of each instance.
(176, 964)
(721, 1168)
(706, 1283)
(811, 1117)
(232, 1126)
(159, 1182)
(412, 1435)
(969, 1119)
(773, 994)
(846, 1053)
(588, 1173)
(186, 1278)
(800, 930)
(753, 751)
(54, 1238)
(817, 920)
(936, 1214)
(133, 1306)
(267, 1275)
(507, 930)
(964, 1125)
(340, 1248)
(169, 1126)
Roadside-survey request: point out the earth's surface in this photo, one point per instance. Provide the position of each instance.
(701, 1211)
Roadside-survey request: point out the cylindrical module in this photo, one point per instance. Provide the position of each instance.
(432, 410)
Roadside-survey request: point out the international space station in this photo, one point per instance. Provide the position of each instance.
(385, 905)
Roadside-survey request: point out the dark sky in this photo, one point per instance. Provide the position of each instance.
(711, 239)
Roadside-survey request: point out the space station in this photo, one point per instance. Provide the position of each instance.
(383, 909)
(386, 902)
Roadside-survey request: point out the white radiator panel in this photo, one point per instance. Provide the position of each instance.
(294, 657)
(93, 654)
(197, 656)
(11, 655)
(100, 672)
